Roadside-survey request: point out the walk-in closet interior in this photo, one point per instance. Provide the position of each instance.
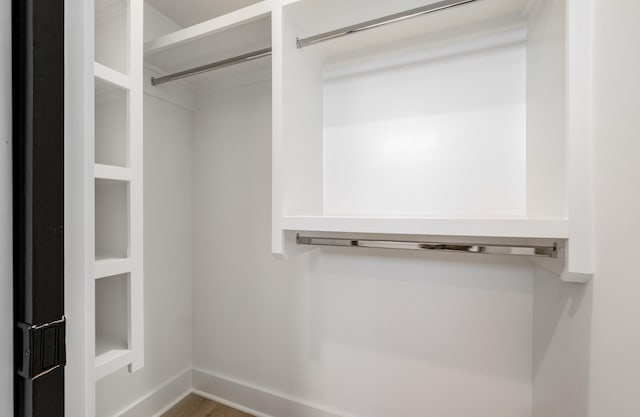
(340, 208)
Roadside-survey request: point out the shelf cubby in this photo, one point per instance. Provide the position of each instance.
(112, 322)
(111, 124)
(112, 220)
(112, 34)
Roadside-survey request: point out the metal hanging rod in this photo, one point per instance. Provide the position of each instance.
(538, 251)
(211, 67)
(381, 21)
(370, 24)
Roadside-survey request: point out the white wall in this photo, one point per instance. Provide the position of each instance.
(615, 331)
(6, 274)
(368, 333)
(168, 258)
(156, 24)
(561, 346)
(384, 131)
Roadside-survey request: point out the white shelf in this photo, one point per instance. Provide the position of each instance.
(111, 76)
(111, 360)
(236, 33)
(112, 266)
(485, 227)
(112, 173)
(210, 27)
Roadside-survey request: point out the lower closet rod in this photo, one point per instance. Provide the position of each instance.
(213, 66)
(540, 251)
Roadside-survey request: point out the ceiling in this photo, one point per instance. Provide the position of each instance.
(189, 12)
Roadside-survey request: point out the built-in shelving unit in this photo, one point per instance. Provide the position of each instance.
(118, 267)
(469, 120)
(459, 122)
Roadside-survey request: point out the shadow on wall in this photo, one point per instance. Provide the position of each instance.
(562, 346)
(443, 314)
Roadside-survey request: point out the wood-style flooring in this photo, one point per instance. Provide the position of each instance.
(196, 406)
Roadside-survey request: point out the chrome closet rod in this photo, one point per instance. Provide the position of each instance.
(370, 24)
(262, 53)
(540, 251)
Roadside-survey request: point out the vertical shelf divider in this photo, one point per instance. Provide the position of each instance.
(135, 113)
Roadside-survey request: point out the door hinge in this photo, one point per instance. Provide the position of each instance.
(43, 348)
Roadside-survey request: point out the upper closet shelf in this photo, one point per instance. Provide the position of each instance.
(234, 34)
(208, 28)
(111, 76)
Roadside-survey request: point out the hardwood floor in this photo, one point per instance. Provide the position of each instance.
(196, 406)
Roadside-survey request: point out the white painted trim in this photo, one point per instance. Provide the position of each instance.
(243, 396)
(172, 403)
(162, 398)
(277, 160)
(580, 173)
(231, 404)
(136, 188)
(251, 398)
(79, 208)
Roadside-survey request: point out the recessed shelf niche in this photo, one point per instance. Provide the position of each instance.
(112, 34)
(112, 314)
(112, 220)
(111, 125)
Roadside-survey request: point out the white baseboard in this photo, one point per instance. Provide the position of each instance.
(254, 400)
(251, 399)
(161, 399)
